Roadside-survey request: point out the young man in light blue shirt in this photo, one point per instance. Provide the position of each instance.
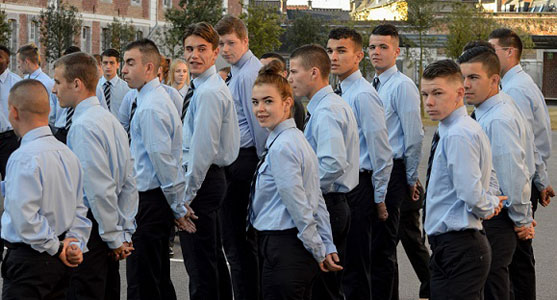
(332, 131)
(240, 252)
(110, 87)
(110, 192)
(461, 190)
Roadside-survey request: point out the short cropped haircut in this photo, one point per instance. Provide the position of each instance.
(111, 53)
(277, 57)
(507, 38)
(29, 93)
(5, 49)
(71, 49)
(347, 33)
(230, 24)
(203, 30)
(149, 51)
(483, 52)
(80, 66)
(30, 52)
(313, 56)
(386, 29)
(445, 68)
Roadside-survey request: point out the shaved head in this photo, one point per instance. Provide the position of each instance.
(30, 97)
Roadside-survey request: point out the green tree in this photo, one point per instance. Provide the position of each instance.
(5, 29)
(121, 33)
(466, 23)
(263, 28)
(188, 12)
(59, 23)
(305, 30)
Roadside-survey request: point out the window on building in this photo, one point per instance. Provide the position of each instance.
(105, 39)
(136, 2)
(139, 35)
(86, 39)
(13, 43)
(167, 3)
(34, 32)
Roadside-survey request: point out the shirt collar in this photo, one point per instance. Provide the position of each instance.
(4, 75)
(348, 81)
(242, 61)
(487, 105)
(36, 73)
(85, 104)
(451, 119)
(314, 101)
(149, 86)
(36, 133)
(199, 80)
(385, 76)
(113, 81)
(510, 74)
(286, 124)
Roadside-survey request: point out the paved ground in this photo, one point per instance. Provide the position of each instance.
(544, 245)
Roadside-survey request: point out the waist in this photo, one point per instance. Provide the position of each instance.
(20, 245)
(333, 198)
(247, 151)
(291, 231)
(7, 134)
(451, 235)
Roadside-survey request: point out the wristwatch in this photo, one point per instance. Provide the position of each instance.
(60, 248)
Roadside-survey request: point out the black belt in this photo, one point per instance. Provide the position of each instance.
(278, 232)
(433, 239)
(366, 172)
(13, 246)
(7, 134)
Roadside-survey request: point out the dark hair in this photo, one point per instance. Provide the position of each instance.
(347, 33)
(98, 57)
(386, 29)
(230, 24)
(477, 51)
(203, 30)
(272, 74)
(80, 65)
(5, 49)
(445, 68)
(276, 57)
(71, 49)
(149, 51)
(111, 53)
(30, 52)
(313, 56)
(507, 38)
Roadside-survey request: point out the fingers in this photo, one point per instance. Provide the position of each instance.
(322, 267)
(331, 261)
(382, 213)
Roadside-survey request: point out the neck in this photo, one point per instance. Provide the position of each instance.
(33, 69)
(512, 65)
(347, 74)
(317, 87)
(83, 96)
(109, 78)
(147, 80)
(30, 125)
(381, 71)
(178, 85)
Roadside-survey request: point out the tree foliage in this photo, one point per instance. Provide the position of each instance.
(305, 30)
(59, 24)
(263, 28)
(466, 23)
(121, 33)
(188, 12)
(5, 29)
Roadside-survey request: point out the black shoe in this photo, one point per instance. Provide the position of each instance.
(170, 252)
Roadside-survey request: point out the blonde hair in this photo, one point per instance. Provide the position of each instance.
(173, 67)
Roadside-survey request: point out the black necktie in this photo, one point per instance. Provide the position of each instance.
(187, 100)
(228, 78)
(132, 112)
(338, 90)
(69, 115)
(473, 114)
(306, 120)
(253, 181)
(107, 93)
(434, 143)
(375, 82)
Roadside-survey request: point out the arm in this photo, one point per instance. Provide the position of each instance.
(407, 103)
(81, 227)
(372, 123)
(259, 134)
(125, 110)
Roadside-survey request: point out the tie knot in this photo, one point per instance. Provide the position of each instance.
(338, 90)
(375, 82)
(107, 83)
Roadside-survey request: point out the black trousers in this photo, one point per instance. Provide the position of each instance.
(502, 239)
(356, 281)
(329, 285)
(410, 234)
(8, 144)
(523, 265)
(288, 268)
(202, 250)
(148, 267)
(240, 250)
(98, 276)
(459, 265)
(29, 274)
(384, 265)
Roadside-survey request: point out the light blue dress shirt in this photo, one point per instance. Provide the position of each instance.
(210, 132)
(184, 90)
(101, 144)
(531, 103)
(7, 80)
(401, 101)
(287, 193)
(119, 88)
(507, 135)
(460, 191)
(57, 117)
(332, 132)
(156, 145)
(244, 73)
(126, 106)
(375, 151)
(43, 194)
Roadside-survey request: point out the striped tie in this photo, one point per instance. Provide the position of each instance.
(187, 100)
(132, 112)
(306, 119)
(338, 90)
(375, 82)
(107, 93)
(228, 78)
(69, 115)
